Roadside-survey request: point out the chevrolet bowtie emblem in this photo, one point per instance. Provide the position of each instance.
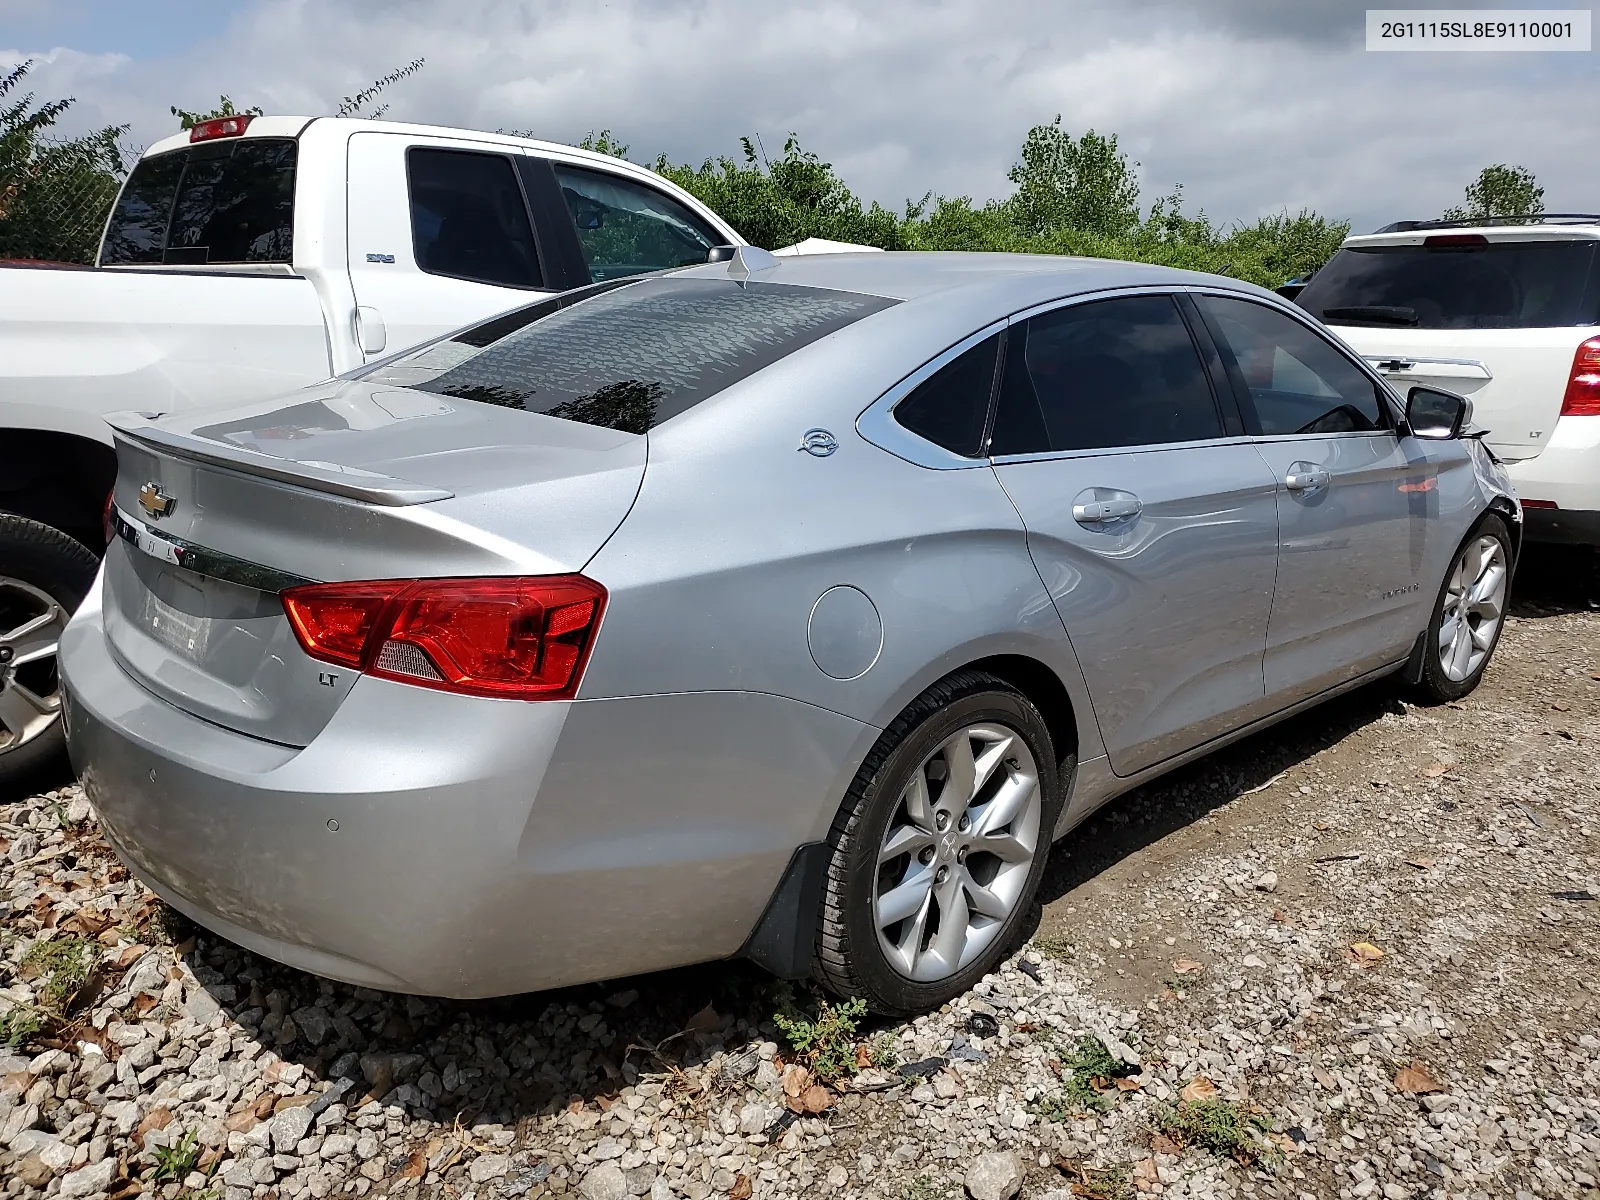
(154, 501)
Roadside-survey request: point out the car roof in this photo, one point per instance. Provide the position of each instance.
(909, 275)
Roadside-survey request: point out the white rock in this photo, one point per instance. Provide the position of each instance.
(488, 1166)
(995, 1176)
(1268, 882)
(605, 1182)
(86, 1181)
(288, 1127)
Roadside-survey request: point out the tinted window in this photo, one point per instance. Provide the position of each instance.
(951, 406)
(1501, 285)
(1094, 376)
(468, 218)
(138, 229)
(218, 202)
(1298, 382)
(626, 228)
(630, 357)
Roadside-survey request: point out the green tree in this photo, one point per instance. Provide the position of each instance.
(1500, 191)
(600, 143)
(54, 192)
(1081, 183)
(224, 108)
(356, 106)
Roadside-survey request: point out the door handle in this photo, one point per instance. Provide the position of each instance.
(1098, 512)
(1306, 477)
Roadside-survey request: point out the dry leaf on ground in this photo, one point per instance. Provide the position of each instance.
(704, 1021)
(795, 1080)
(1435, 770)
(741, 1189)
(1199, 1088)
(816, 1099)
(1365, 953)
(1161, 1144)
(863, 1057)
(1421, 862)
(1415, 1081)
(1188, 966)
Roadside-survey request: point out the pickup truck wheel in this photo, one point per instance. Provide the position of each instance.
(44, 577)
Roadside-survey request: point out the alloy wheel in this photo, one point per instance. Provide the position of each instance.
(1474, 605)
(957, 852)
(30, 691)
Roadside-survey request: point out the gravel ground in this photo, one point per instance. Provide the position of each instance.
(1353, 956)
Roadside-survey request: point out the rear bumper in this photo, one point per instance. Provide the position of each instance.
(458, 846)
(1566, 472)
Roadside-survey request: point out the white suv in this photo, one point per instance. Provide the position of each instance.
(1506, 314)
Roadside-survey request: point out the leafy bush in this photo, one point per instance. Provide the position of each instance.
(827, 1041)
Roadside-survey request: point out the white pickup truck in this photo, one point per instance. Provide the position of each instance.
(250, 256)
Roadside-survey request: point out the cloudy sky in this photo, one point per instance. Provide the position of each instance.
(1253, 105)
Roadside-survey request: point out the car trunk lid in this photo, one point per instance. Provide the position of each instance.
(217, 513)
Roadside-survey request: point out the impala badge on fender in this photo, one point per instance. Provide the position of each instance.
(154, 501)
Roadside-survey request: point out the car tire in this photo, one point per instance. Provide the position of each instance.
(44, 576)
(1468, 614)
(900, 965)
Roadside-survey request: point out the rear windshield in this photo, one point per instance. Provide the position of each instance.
(629, 355)
(226, 201)
(1501, 285)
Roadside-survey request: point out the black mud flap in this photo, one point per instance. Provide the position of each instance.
(785, 939)
(1413, 669)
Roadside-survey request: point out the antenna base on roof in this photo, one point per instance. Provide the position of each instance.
(748, 260)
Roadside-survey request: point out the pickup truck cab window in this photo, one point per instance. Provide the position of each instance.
(213, 203)
(627, 228)
(469, 219)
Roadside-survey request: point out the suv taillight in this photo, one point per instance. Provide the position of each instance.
(220, 127)
(1583, 385)
(517, 638)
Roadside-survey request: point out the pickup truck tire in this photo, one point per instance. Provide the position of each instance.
(44, 576)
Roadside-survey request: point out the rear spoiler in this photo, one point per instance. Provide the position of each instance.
(369, 486)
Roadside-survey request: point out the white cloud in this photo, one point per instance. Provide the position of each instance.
(1254, 105)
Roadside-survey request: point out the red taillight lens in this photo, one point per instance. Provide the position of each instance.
(1539, 504)
(108, 521)
(525, 638)
(220, 127)
(1583, 385)
(1454, 241)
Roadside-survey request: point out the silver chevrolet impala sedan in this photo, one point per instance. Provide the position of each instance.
(789, 609)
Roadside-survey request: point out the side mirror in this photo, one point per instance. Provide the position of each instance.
(1435, 414)
(720, 253)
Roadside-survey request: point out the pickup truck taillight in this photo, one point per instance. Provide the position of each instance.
(515, 638)
(220, 127)
(1583, 385)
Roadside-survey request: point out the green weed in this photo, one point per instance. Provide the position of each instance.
(1090, 1064)
(827, 1041)
(1224, 1129)
(173, 1163)
(18, 1024)
(64, 964)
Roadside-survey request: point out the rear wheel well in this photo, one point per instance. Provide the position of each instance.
(1042, 686)
(58, 479)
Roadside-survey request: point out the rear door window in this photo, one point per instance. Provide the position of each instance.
(1456, 283)
(1296, 380)
(217, 202)
(1111, 373)
(626, 228)
(469, 219)
(628, 357)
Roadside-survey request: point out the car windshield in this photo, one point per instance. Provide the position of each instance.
(1488, 285)
(631, 356)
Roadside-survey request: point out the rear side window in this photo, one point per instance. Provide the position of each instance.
(469, 220)
(1297, 382)
(951, 406)
(1494, 285)
(217, 202)
(629, 357)
(626, 228)
(1096, 376)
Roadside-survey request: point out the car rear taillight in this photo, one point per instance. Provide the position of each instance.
(1583, 385)
(108, 520)
(1539, 504)
(518, 638)
(220, 127)
(1454, 241)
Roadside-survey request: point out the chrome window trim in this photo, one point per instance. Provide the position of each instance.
(877, 425)
(1002, 460)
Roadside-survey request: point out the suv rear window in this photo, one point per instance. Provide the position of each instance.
(216, 202)
(1498, 285)
(628, 357)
